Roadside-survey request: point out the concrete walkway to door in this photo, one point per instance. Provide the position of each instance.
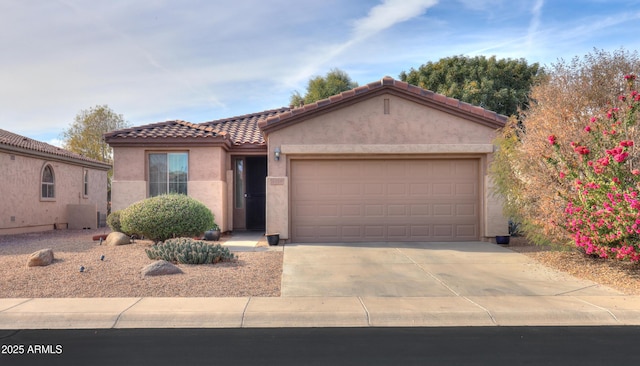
(422, 270)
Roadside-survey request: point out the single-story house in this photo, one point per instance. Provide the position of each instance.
(44, 187)
(386, 161)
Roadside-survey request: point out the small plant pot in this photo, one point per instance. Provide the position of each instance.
(273, 239)
(502, 239)
(212, 235)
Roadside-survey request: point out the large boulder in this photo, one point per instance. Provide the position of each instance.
(160, 268)
(43, 257)
(117, 238)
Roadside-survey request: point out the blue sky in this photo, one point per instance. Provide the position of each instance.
(203, 60)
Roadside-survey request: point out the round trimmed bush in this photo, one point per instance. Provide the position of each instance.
(113, 220)
(167, 216)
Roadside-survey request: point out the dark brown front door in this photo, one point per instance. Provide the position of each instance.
(256, 191)
(250, 173)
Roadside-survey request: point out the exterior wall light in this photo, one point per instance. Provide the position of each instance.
(276, 153)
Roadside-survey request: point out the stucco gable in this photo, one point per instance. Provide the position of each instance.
(386, 85)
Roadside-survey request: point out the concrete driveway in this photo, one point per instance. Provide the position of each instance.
(422, 270)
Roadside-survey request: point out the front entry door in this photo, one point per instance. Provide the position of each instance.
(249, 192)
(255, 191)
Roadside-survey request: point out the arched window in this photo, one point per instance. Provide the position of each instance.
(48, 182)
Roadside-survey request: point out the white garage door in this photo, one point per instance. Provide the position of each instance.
(384, 200)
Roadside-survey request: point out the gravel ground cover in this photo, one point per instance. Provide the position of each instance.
(622, 276)
(253, 274)
(118, 275)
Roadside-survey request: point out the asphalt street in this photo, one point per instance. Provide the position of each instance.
(324, 346)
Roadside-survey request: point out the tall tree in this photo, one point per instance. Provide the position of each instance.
(84, 135)
(336, 81)
(498, 85)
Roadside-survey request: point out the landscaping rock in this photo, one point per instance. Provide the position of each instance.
(43, 257)
(116, 238)
(160, 268)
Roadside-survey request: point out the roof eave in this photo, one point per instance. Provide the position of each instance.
(50, 156)
(167, 141)
(439, 102)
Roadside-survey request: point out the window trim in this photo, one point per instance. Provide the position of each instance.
(52, 184)
(166, 154)
(85, 183)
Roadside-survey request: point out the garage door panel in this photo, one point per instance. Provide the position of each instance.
(397, 189)
(374, 210)
(384, 200)
(398, 210)
(420, 189)
(466, 210)
(468, 231)
(442, 210)
(420, 231)
(466, 189)
(421, 210)
(442, 189)
(443, 231)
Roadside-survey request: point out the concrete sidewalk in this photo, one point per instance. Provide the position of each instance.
(366, 285)
(248, 312)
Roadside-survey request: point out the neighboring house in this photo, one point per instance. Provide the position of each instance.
(44, 187)
(386, 161)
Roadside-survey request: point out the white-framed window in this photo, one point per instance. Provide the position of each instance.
(47, 183)
(168, 173)
(85, 182)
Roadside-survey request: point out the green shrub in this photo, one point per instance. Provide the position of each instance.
(167, 216)
(189, 251)
(113, 220)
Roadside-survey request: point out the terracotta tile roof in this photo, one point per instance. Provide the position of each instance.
(482, 115)
(244, 129)
(165, 130)
(14, 140)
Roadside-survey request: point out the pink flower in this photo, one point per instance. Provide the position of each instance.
(620, 157)
(562, 175)
(630, 77)
(604, 161)
(626, 143)
(582, 150)
(552, 139)
(635, 172)
(587, 129)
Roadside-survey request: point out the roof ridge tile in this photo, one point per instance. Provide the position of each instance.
(389, 82)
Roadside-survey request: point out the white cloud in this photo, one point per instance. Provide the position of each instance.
(56, 142)
(534, 24)
(389, 13)
(379, 18)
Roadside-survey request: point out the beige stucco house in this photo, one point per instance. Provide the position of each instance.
(386, 161)
(44, 187)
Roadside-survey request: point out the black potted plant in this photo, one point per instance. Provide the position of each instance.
(212, 234)
(273, 239)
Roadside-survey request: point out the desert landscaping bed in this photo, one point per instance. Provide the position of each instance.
(118, 275)
(253, 274)
(622, 276)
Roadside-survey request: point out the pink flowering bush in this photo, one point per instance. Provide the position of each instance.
(602, 212)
